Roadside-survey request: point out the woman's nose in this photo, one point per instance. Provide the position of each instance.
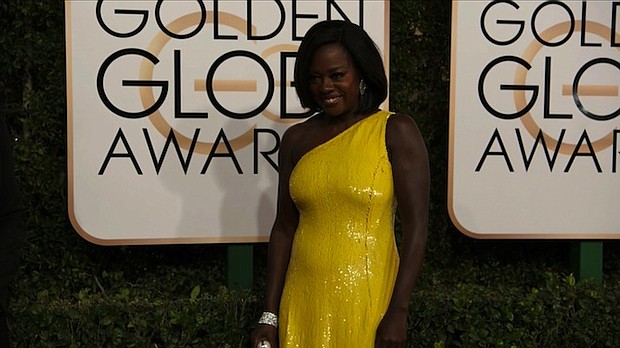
(327, 85)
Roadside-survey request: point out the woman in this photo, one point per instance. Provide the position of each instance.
(335, 278)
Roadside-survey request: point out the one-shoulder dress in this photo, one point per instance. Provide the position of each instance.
(344, 258)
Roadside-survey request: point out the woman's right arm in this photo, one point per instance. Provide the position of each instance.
(281, 239)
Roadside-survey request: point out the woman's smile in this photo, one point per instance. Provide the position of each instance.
(328, 101)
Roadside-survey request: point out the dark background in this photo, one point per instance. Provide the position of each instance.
(70, 292)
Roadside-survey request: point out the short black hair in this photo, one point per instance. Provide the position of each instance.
(362, 50)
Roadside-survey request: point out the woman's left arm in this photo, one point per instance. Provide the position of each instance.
(411, 175)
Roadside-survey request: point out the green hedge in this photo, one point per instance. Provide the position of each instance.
(127, 319)
(70, 293)
(544, 310)
(474, 305)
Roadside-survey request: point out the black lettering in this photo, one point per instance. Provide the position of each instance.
(295, 16)
(178, 95)
(495, 137)
(158, 162)
(520, 24)
(162, 26)
(268, 74)
(221, 136)
(284, 114)
(216, 23)
(590, 153)
(614, 21)
(485, 102)
(131, 33)
(614, 150)
(133, 83)
(576, 98)
(569, 33)
(332, 4)
(251, 36)
(584, 10)
(265, 154)
(540, 139)
(547, 92)
(111, 154)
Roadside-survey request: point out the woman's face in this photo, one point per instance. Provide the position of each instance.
(334, 81)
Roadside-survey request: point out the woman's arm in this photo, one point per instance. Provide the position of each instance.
(411, 175)
(281, 239)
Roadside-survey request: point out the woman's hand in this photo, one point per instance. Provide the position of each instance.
(264, 333)
(392, 330)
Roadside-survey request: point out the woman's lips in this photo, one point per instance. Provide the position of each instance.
(331, 100)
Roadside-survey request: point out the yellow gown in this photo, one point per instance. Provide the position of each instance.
(344, 258)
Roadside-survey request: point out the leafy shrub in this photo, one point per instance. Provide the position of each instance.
(134, 318)
(550, 311)
(558, 312)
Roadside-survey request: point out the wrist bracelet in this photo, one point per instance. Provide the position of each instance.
(268, 318)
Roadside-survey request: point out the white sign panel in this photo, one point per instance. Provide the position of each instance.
(176, 110)
(535, 119)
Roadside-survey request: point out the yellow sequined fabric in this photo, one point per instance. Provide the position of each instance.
(344, 258)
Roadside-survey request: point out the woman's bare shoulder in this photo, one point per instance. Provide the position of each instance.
(400, 125)
(298, 130)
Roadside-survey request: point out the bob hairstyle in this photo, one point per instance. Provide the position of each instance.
(362, 50)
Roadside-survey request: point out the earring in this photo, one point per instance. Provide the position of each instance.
(362, 87)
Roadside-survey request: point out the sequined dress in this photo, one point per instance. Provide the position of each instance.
(344, 259)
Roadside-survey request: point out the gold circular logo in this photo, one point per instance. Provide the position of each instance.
(146, 72)
(521, 74)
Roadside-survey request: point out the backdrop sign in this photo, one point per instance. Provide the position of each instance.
(535, 119)
(176, 111)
